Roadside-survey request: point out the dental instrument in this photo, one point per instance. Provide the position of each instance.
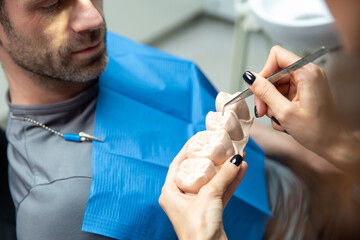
(281, 74)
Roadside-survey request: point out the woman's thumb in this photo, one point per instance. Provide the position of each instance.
(226, 174)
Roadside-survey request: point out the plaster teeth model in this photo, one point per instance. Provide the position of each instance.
(194, 173)
(240, 108)
(225, 136)
(229, 122)
(214, 145)
(239, 146)
(246, 125)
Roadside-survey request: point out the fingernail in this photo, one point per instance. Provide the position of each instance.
(237, 160)
(249, 77)
(275, 120)
(255, 111)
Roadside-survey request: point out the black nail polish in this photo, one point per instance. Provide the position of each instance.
(255, 111)
(249, 77)
(275, 120)
(236, 160)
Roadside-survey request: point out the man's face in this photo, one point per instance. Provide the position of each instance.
(60, 39)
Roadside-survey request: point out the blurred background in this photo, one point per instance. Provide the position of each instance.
(227, 37)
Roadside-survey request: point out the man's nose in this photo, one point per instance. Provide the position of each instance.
(86, 17)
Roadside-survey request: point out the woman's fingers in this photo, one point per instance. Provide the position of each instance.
(266, 92)
(260, 107)
(226, 175)
(170, 189)
(301, 103)
(174, 166)
(278, 59)
(172, 199)
(275, 122)
(233, 186)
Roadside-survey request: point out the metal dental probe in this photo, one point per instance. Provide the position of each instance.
(281, 74)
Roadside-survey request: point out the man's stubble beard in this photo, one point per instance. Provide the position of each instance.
(46, 66)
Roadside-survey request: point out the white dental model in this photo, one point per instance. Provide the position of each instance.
(229, 122)
(214, 145)
(194, 173)
(225, 136)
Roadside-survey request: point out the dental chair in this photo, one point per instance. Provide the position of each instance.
(7, 209)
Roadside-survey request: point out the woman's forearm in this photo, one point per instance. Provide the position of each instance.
(343, 152)
(281, 146)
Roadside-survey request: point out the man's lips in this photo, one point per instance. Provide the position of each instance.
(89, 50)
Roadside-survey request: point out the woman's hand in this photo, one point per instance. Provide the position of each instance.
(303, 106)
(200, 216)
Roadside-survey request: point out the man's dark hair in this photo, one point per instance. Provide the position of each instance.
(1, 15)
(4, 18)
(1, 8)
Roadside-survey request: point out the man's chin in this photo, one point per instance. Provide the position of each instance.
(87, 70)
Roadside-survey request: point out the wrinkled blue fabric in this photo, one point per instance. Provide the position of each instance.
(150, 103)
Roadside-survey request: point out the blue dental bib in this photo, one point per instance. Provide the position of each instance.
(149, 104)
